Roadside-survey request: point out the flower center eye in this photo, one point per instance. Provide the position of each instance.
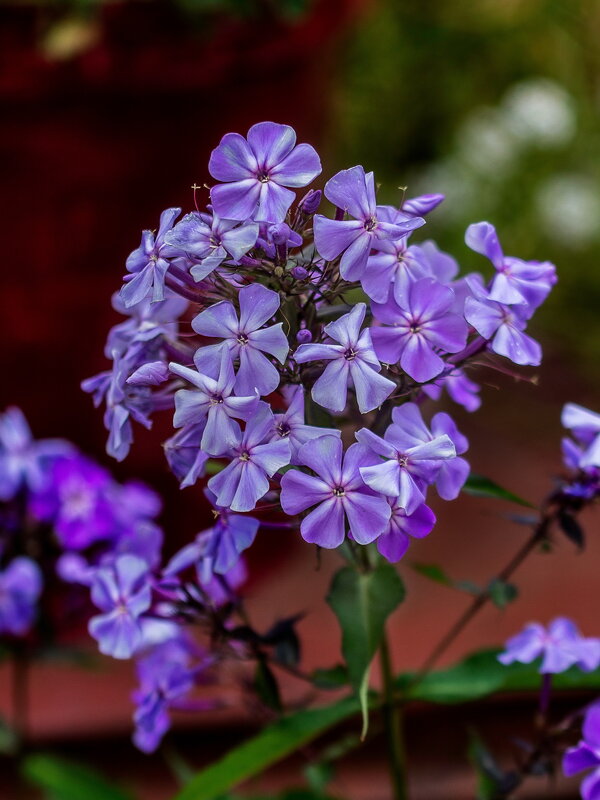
(350, 354)
(283, 429)
(263, 177)
(214, 241)
(339, 491)
(216, 400)
(415, 327)
(370, 224)
(242, 338)
(403, 460)
(245, 456)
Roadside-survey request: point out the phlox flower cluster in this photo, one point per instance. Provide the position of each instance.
(296, 351)
(269, 328)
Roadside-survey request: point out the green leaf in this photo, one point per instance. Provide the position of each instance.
(213, 467)
(9, 741)
(266, 686)
(434, 573)
(332, 678)
(479, 486)
(271, 745)
(66, 780)
(362, 603)
(502, 593)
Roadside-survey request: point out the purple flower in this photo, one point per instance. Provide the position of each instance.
(291, 426)
(257, 171)
(276, 239)
(148, 264)
(213, 401)
(585, 425)
(353, 191)
(560, 646)
(122, 592)
(516, 281)
(352, 360)
(20, 587)
(209, 240)
(338, 492)
(148, 324)
(395, 539)
(184, 456)
(503, 327)
(216, 550)
(461, 389)
(245, 338)
(413, 457)
(23, 461)
(167, 676)
(77, 502)
(255, 459)
(586, 755)
(415, 331)
(453, 472)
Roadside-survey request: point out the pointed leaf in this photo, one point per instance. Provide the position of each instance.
(66, 780)
(479, 486)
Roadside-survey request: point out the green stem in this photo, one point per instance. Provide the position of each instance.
(393, 726)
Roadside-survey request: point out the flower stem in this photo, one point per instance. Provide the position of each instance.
(20, 697)
(393, 726)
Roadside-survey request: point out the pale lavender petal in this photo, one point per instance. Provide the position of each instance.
(576, 759)
(505, 291)
(317, 352)
(325, 525)
(252, 485)
(271, 340)
(324, 456)
(418, 359)
(221, 433)
(219, 320)
(232, 160)
(299, 491)
(367, 515)
(590, 786)
(272, 456)
(274, 201)
(271, 142)
(409, 420)
(237, 200)
(354, 260)
(509, 341)
(484, 317)
(298, 168)
(451, 478)
(334, 236)
(256, 373)
(449, 334)
(371, 388)
(350, 190)
(388, 343)
(429, 299)
(482, 238)
(331, 388)
(346, 329)
(393, 544)
(239, 240)
(375, 443)
(190, 407)
(384, 478)
(257, 305)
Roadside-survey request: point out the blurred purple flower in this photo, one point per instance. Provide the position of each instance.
(585, 426)
(122, 592)
(24, 462)
(353, 360)
(21, 584)
(257, 171)
(184, 455)
(461, 389)
(586, 755)
(337, 490)
(560, 646)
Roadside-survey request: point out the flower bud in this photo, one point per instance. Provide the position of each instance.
(417, 206)
(280, 233)
(303, 336)
(310, 202)
(300, 273)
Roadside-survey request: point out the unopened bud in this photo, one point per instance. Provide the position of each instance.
(303, 336)
(300, 273)
(423, 204)
(310, 202)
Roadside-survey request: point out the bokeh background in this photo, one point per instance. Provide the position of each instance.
(110, 110)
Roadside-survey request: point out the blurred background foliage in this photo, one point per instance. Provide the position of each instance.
(494, 103)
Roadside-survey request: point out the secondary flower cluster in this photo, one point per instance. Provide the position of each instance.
(67, 528)
(272, 329)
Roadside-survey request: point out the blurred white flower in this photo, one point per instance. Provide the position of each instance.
(568, 208)
(486, 143)
(539, 111)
